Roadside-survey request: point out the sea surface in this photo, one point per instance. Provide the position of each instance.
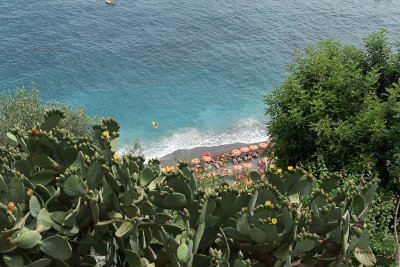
(198, 68)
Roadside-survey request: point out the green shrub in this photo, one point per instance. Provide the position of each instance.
(136, 148)
(384, 245)
(340, 102)
(381, 215)
(62, 196)
(24, 109)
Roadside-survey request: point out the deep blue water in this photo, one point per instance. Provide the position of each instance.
(199, 68)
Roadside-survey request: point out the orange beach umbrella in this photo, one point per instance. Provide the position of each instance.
(236, 152)
(263, 145)
(207, 158)
(237, 168)
(227, 171)
(244, 149)
(195, 161)
(253, 147)
(248, 165)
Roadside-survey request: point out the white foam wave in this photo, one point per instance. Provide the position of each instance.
(247, 131)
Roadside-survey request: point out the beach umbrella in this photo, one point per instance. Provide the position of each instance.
(237, 168)
(253, 147)
(195, 161)
(227, 171)
(263, 145)
(248, 165)
(206, 158)
(236, 152)
(244, 149)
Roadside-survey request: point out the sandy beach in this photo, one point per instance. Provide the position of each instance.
(189, 154)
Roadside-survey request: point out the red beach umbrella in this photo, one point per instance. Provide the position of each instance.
(236, 152)
(244, 149)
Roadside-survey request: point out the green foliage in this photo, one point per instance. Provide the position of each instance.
(23, 109)
(384, 246)
(381, 215)
(341, 105)
(382, 211)
(136, 148)
(208, 181)
(88, 198)
(340, 102)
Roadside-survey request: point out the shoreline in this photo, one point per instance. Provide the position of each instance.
(196, 152)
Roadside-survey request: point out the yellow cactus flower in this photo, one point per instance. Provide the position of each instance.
(268, 203)
(274, 221)
(279, 170)
(272, 166)
(106, 134)
(116, 157)
(290, 168)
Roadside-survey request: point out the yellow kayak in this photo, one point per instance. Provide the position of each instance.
(110, 2)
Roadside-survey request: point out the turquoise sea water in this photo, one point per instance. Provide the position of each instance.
(199, 68)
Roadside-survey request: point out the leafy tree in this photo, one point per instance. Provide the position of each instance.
(340, 102)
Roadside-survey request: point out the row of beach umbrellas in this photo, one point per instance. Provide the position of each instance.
(235, 152)
(228, 171)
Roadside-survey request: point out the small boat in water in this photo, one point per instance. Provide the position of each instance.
(110, 2)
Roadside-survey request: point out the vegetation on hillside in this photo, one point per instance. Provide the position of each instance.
(63, 195)
(64, 192)
(24, 109)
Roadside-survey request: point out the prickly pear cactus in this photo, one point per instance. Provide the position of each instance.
(65, 198)
(292, 219)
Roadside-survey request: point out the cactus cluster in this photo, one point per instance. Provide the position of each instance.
(62, 198)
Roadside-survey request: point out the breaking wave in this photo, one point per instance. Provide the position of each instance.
(248, 131)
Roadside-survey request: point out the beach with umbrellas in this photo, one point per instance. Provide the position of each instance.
(229, 166)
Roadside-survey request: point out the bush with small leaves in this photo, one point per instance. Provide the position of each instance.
(24, 108)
